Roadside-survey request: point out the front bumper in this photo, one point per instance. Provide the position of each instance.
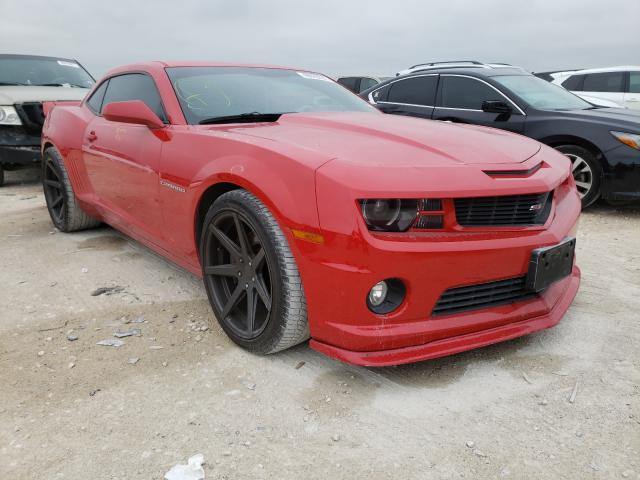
(448, 346)
(621, 179)
(18, 146)
(338, 275)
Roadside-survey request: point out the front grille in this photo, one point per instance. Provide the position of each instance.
(504, 211)
(32, 115)
(482, 295)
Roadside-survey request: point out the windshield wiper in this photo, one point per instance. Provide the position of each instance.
(12, 83)
(58, 85)
(243, 118)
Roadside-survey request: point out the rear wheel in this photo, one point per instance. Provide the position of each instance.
(65, 213)
(586, 170)
(250, 275)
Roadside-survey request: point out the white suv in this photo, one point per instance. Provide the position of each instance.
(617, 84)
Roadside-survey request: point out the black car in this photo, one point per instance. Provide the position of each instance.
(603, 143)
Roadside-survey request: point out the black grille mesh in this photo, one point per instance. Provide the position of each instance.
(32, 115)
(513, 210)
(482, 295)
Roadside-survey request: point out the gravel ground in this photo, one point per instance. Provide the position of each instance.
(76, 410)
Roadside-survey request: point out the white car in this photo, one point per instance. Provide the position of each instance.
(615, 84)
(25, 82)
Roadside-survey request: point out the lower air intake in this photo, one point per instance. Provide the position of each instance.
(482, 295)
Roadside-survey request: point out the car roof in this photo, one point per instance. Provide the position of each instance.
(35, 57)
(620, 68)
(161, 64)
(470, 71)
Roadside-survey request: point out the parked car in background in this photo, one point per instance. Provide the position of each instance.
(616, 84)
(551, 75)
(410, 243)
(359, 84)
(25, 82)
(562, 74)
(602, 143)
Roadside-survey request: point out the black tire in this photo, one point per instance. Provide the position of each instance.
(587, 172)
(65, 213)
(255, 267)
(1, 176)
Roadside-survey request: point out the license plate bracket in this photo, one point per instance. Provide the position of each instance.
(550, 264)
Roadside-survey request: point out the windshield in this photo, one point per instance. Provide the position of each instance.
(43, 71)
(209, 92)
(541, 94)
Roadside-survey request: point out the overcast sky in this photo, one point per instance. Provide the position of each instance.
(331, 36)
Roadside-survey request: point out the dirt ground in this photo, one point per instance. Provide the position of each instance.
(71, 409)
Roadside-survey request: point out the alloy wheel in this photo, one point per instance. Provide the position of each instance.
(54, 191)
(238, 274)
(582, 174)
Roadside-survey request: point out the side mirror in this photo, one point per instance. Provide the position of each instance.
(496, 106)
(132, 111)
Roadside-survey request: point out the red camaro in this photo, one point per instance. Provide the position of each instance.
(308, 213)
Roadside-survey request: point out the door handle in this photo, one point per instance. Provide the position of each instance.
(634, 100)
(92, 136)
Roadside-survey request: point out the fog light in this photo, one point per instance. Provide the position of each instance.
(386, 296)
(378, 293)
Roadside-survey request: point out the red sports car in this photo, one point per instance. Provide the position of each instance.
(309, 214)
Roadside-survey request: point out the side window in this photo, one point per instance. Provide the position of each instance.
(634, 82)
(348, 82)
(415, 91)
(466, 93)
(135, 86)
(574, 83)
(604, 82)
(367, 83)
(95, 101)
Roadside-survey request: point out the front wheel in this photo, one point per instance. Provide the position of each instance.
(65, 213)
(586, 170)
(250, 275)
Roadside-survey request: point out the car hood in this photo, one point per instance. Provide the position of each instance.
(375, 139)
(18, 94)
(613, 118)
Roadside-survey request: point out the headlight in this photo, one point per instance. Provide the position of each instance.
(630, 139)
(9, 116)
(389, 215)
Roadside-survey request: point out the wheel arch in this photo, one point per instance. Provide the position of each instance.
(210, 195)
(558, 140)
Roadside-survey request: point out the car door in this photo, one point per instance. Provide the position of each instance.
(460, 99)
(122, 159)
(607, 85)
(413, 96)
(632, 95)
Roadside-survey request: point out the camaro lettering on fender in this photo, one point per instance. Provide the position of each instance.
(177, 188)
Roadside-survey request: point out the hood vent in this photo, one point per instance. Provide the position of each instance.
(514, 173)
